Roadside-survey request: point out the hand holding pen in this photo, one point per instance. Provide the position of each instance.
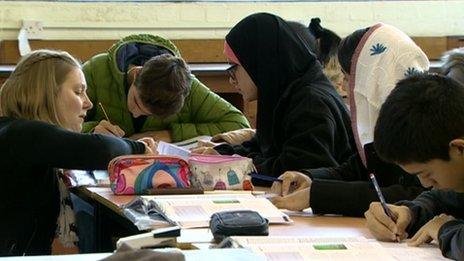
(387, 222)
(291, 190)
(106, 127)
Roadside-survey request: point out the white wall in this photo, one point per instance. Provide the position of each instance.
(213, 20)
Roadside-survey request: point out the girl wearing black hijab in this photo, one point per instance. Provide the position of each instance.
(302, 122)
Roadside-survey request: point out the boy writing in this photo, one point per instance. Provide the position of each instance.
(421, 128)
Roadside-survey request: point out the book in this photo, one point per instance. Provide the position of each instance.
(156, 238)
(189, 211)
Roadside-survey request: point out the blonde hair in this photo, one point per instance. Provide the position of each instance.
(32, 89)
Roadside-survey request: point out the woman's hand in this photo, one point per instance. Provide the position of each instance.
(291, 181)
(204, 150)
(150, 145)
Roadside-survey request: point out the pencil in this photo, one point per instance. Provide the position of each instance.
(104, 112)
(382, 201)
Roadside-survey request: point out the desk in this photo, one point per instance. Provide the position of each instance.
(108, 209)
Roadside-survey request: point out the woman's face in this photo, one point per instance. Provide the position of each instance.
(73, 102)
(240, 79)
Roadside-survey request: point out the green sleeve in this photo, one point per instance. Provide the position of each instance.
(89, 123)
(209, 114)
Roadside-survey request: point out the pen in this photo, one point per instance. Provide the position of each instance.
(104, 112)
(382, 200)
(255, 175)
(264, 177)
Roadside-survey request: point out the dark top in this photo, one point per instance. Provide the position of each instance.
(302, 122)
(435, 202)
(347, 189)
(29, 197)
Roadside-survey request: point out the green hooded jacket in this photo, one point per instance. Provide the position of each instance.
(203, 113)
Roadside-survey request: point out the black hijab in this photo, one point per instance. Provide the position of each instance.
(274, 57)
(347, 47)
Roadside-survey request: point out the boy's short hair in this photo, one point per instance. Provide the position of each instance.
(163, 84)
(419, 118)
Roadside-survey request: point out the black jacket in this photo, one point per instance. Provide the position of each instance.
(347, 189)
(301, 120)
(29, 199)
(435, 202)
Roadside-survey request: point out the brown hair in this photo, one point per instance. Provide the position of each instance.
(163, 84)
(32, 89)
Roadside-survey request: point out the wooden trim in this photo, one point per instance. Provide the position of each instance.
(433, 47)
(192, 50)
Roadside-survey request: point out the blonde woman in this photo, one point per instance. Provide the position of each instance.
(42, 108)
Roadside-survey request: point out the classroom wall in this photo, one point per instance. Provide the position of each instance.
(213, 20)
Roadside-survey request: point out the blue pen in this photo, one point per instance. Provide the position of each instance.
(382, 201)
(264, 177)
(255, 175)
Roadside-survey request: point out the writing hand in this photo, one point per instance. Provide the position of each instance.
(383, 227)
(105, 127)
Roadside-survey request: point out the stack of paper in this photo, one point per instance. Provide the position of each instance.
(190, 211)
(320, 248)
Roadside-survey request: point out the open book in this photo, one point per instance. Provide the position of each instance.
(181, 148)
(336, 248)
(190, 211)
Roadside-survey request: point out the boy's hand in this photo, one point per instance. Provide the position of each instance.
(292, 182)
(429, 231)
(163, 135)
(105, 127)
(381, 225)
(297, 200)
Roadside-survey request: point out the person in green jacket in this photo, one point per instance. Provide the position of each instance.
(146, 90)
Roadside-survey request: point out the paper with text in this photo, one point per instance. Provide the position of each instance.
(190, 211)
(313, 248)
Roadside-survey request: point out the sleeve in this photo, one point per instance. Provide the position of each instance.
(209, 114)
(308, 139)
(353, 198)
(350, 170)
(89, 123)
(246, 149)
(45, 144)
(426, 206)
(451, 239)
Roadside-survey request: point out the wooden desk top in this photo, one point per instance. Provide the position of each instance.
(195, 68)
(316, 226)
(201, 69)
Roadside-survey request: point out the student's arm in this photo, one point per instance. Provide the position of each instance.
(247, 148)
(451, 239)
(353, 198)
(426, 206)
(351, 170)
(44, 144)
(209, 114)
(310, 139)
